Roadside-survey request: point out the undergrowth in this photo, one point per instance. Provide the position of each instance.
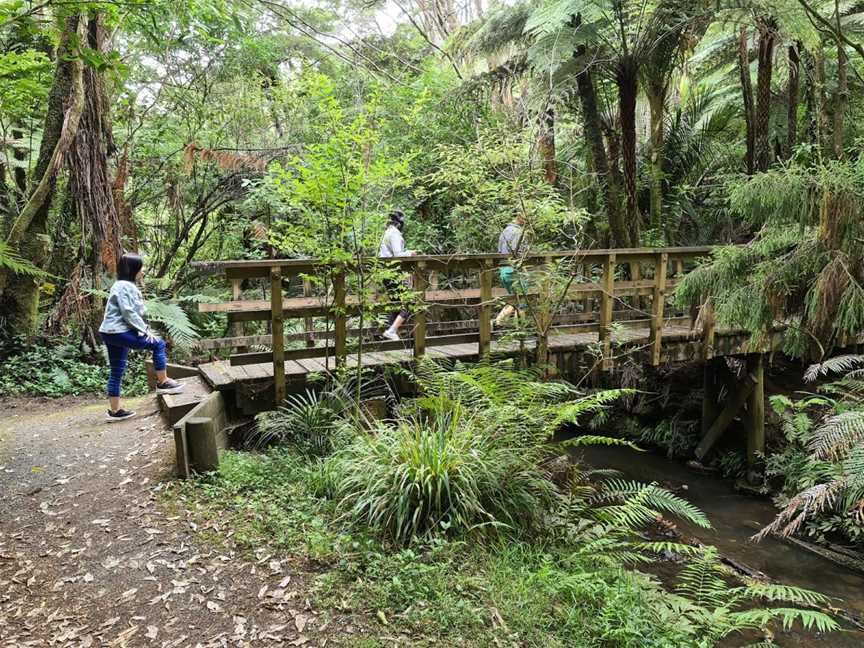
(62, 369)
(512, 548)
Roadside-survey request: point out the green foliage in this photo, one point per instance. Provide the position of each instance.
(61, 369)
(313, 422)
(175, 321)
(12, 261)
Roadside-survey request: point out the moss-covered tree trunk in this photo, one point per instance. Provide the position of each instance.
(747, 99)
(19, 296)
(627, 80)
(792, 96)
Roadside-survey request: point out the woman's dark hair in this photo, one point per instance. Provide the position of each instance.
(397, 218)
(128, 267)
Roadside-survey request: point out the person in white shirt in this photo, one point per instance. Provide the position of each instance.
(393, 245)
(514, 243)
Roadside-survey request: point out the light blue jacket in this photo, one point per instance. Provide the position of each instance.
(124, 310)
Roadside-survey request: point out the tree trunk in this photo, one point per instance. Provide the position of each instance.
(657, 105)
(792, 96)
(90, 177)
(841, 100)
(821, 116)
(627, 80)
(546, 145)
(747, 98)
(593, 130)
(19, 296)
(767, 40)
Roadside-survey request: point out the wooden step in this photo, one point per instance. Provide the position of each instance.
(176, 406)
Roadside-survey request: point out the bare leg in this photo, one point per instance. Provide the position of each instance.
(162, 375)
(397, 323)
(505, 314)
(114, 403)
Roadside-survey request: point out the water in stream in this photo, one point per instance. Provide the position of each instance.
(735, 517)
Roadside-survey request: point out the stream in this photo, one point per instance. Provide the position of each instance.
(735, 517)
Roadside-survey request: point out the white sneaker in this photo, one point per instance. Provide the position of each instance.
(391, 335)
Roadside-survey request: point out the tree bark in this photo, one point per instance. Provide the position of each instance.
(793, 98)
(593, 131)
(767, 40)
(747, 99)
(546, 145)
(841, 100)
(657, 106)
(627, 80)
(19, 296)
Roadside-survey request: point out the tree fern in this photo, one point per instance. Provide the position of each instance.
(174, 319)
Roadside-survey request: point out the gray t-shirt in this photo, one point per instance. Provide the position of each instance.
(392, 243)
(512, 240)
(124, 310)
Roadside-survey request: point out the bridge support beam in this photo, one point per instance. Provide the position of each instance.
(750, 390)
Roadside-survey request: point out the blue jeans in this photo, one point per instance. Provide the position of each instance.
(118, 349)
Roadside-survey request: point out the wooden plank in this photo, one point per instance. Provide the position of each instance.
(215, 373)
(485, 314)
(277, 333)
(420, 285)
(658, 307)
(340, 323)
(258, 372)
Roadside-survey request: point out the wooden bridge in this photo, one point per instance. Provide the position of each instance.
(586, 311)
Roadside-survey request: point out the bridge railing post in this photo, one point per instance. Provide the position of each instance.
(420, 285)
(485, 310)
(607, 301)
(277, 324)
(308, 322)
(661, 264)
(340, 319)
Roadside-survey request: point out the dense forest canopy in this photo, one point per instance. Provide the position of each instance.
(245, 128)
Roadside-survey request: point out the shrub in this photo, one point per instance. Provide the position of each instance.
(312, 422)
(441, 472)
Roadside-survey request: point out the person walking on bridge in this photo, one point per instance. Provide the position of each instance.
(393, 245)
(513, 242)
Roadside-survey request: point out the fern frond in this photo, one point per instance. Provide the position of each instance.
(838, 364)
(660, 499)
(174, 319)
(837, 435)
(810, 619)
(782, 593)
(12, 261)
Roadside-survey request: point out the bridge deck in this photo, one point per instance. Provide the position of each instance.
(222, 375)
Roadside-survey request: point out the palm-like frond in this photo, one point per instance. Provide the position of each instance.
(14, 262)
(174, 319)
(838, 364)
(656, 498)
(838, 435)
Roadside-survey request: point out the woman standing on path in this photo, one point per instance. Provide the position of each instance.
(124, 328)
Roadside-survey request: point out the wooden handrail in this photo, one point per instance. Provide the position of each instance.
(250, 269)
(597, 280)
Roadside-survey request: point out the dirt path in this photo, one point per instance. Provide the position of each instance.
(87, 558)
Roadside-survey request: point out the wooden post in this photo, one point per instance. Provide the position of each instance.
(278, 334)
(679, 268)
(237, 328)
(708, 329)
(201, 443)
(607, 301)
(711, 384)
(308, 322)
(756, 415)
(733, 406)
(340, 322)
(485, 313)
(658, 306)
(586, 278)
(420, 316)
